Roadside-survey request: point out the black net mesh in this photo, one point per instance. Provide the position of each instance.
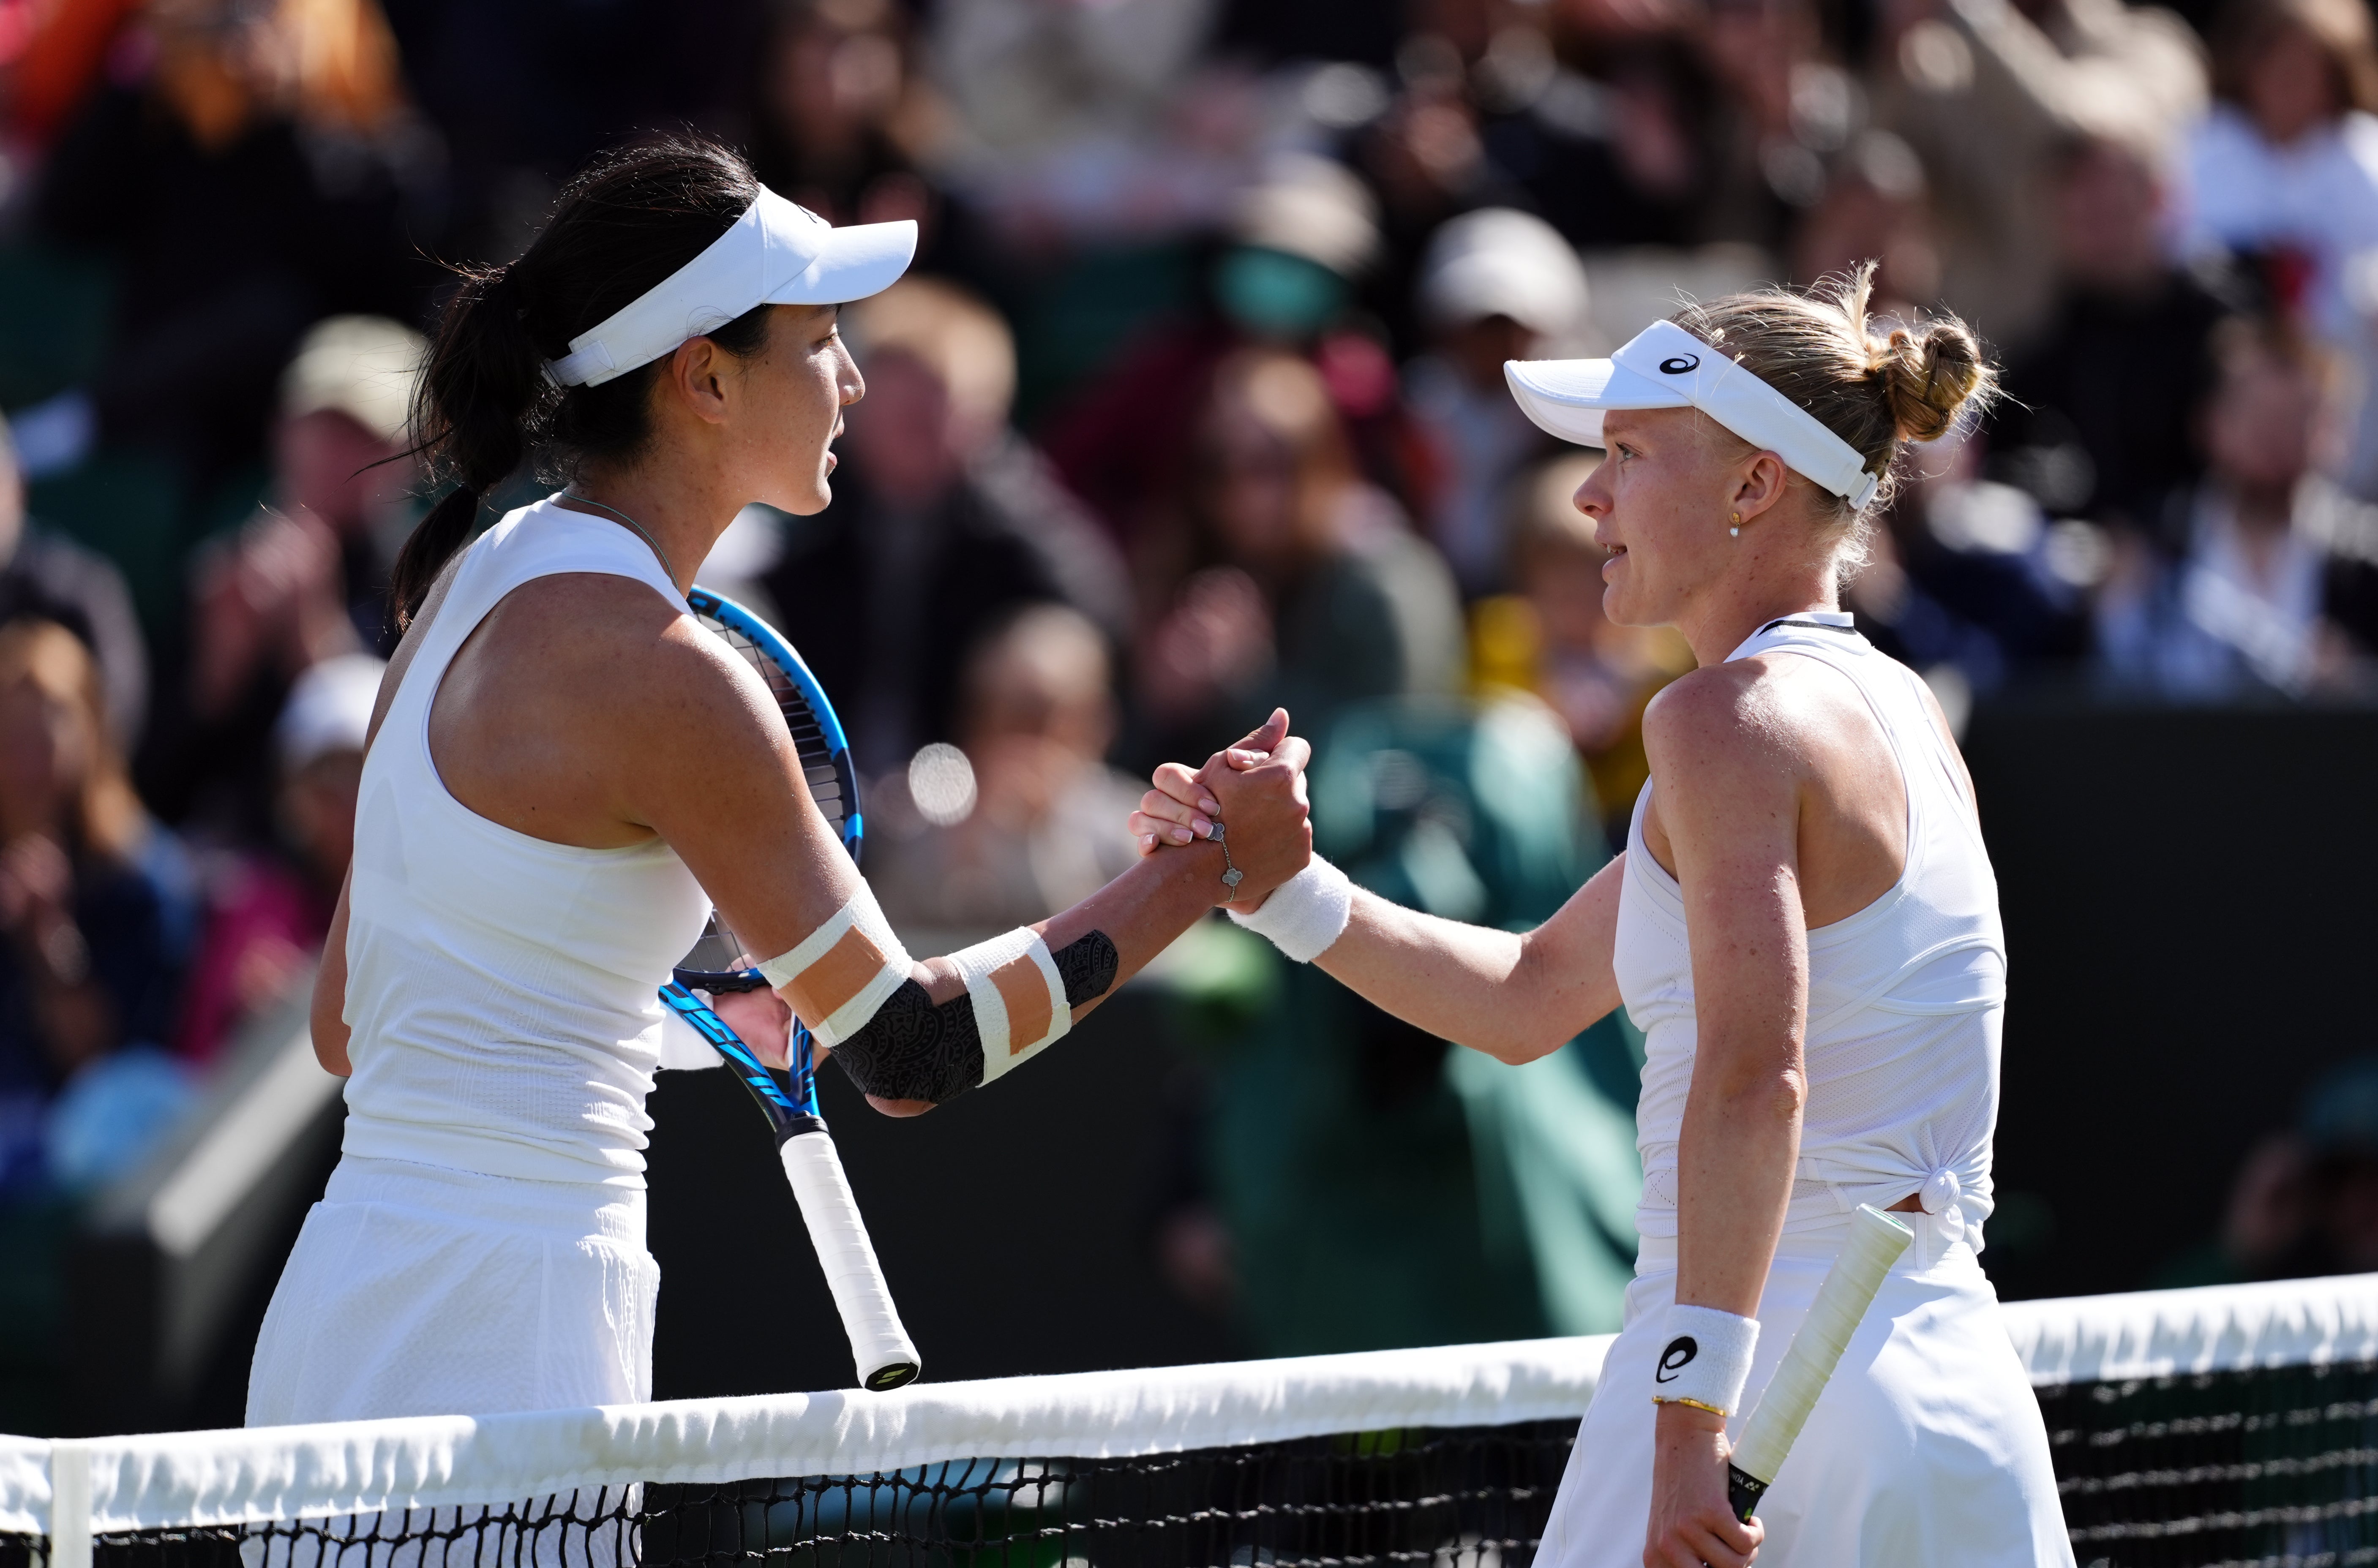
(2274, 1467)
(1473, 1497)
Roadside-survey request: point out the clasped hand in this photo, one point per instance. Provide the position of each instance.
(1256, 788)
(761, 1019)
(1691, 1525)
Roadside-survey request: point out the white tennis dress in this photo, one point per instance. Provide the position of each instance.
(480, 1247)
(1926, 1449)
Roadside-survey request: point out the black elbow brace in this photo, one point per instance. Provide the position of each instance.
(914, 1049)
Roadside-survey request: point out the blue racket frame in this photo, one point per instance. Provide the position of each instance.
(791, 1105)
(769, 640)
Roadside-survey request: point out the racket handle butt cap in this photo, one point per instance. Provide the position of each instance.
(889, 1375)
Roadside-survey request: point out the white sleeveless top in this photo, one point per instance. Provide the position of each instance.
(1905, 998)
(502, 990)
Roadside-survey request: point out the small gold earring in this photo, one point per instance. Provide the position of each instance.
(1736, 529)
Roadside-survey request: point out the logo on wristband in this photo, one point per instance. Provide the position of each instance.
(1676, 1357)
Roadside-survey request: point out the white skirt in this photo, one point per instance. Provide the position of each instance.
(1926, 1450)
(416, 1290)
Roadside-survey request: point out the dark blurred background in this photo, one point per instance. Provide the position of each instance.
(1191, 405)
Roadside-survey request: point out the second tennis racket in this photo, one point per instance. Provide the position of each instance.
(1876, 1240)
(884, 1354)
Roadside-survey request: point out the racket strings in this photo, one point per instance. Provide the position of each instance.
(824, 767)
(810, 746)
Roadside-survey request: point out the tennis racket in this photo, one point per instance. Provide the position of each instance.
(1876, 1241)
(885, 1356)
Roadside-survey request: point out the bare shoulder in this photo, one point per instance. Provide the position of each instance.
(1772, 721)
(630, 650)
(604, 653)
(1743, 711)
(595, 605)
(1717, 694)
(709, 684)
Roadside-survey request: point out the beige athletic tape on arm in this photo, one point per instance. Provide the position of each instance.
(839, 974)
(1019, 998)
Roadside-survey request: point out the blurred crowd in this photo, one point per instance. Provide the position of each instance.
(1194, 404)
(2304, 1200)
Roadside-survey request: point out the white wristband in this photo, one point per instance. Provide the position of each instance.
(1704, 1359)
(1305, 914)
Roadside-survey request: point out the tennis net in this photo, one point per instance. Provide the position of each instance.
(2235, 1425)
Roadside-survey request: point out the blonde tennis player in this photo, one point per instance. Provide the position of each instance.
(566, 771)
(1805, 925)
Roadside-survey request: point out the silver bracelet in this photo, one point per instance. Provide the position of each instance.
(1232, 875)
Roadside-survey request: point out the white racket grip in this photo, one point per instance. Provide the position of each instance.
(1876, 1241)
(886, 1357)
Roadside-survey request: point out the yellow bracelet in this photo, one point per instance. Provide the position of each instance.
(1721, 1414)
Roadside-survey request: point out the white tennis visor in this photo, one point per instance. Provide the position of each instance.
(777, 252)
(1665, 366)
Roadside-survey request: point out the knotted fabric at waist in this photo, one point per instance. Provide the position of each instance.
(1824, 1195)
(1822, 1244)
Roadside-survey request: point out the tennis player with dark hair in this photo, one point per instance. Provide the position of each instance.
(1805, 925)
(566, 771)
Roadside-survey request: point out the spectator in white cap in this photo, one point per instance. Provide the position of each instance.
(304, 580)
(340, 452)
(1302, 234)
(267, 913)
(1496, 285)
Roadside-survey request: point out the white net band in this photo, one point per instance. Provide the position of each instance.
(239, 1477)
(73, 1490)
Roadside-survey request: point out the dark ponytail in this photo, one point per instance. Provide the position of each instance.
(485, 406)
(478, 402)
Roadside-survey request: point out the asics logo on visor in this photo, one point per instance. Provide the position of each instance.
(1676, 1357)
(1683, 364)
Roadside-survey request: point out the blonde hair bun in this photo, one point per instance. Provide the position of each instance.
(1929, 373)
(1875, 391)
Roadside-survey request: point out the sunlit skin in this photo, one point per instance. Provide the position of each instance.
(1663, 502)
(1779, 807)
(585, 710)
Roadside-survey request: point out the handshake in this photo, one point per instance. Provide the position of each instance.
(1250, 799)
